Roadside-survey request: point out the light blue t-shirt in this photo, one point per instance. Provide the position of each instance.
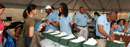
(129, 27)
(55, 15)
(120, 28)
(115, 30)
(81, 19)
(102, 20)
(64, 24)
(50, 17)
(95, 17)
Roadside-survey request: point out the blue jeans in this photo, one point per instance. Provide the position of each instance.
(27, 41)
(1, 44)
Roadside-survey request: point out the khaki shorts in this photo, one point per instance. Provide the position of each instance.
(101, 42)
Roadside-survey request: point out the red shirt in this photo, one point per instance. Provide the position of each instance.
(1, 28)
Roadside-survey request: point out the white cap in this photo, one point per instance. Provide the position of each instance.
(48, 7)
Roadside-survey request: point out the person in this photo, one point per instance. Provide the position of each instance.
(96, 15)
(65, 19)
(103, 28)
(121, 25)
(129, 17)
(2, 24)
(29, 23)
(114, 26)
(55, 13)
(50, 19)
(126, 25)
(81, 22)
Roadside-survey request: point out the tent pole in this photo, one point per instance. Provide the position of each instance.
(103, 10)
(119, 5)
(55, 2)
(94, 4)
(86, 5)
(69, 2)
(30, 2)
(102, 6)
(75, 4)
(108, 3)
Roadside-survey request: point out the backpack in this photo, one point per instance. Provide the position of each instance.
(21, 40)
(9, 42)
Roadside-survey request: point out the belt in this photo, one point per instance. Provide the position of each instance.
(83, 26)
(102, 38)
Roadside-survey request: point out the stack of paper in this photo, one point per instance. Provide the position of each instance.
(128, 34)
(116, 41)
(118, 33)
(50, 30)
(61, 34)
(69, 37)
(80, 39)
(91, 41)
(56, 32)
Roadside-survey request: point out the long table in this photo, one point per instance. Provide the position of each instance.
(125, 38)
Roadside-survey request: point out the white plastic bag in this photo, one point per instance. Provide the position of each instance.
(47, 43)
(128, 45)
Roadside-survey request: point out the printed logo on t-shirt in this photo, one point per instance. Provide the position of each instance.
(84, 16)
(59, 18)
(107, 23)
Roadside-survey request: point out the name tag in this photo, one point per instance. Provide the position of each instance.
(107, 24)
(59, 18)
(84, 16)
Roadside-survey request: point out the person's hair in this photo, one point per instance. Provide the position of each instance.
(125, 21)
(29, 8)
(116, 12)
(120, 21)
(112, 23)
(24, 14)
(1, 6)
(64, 10)
(81, 7)
(96, 13)
(113, 13)
(52, 7)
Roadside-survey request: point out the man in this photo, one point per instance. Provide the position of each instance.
(50, 19)
(114, 26)
(54, 12)
(103, 28)
(113, 29)
(55, 16)
(81, 22)
(121, 25)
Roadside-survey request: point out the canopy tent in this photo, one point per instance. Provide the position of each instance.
(91, 5)
(15, 8)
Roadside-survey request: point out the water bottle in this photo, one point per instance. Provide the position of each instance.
(120, 39)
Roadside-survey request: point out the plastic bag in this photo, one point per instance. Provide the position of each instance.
(9, 42)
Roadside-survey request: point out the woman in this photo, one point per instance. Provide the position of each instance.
(2, 24)
(29, 23)
(96, 15)
(65, 19)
